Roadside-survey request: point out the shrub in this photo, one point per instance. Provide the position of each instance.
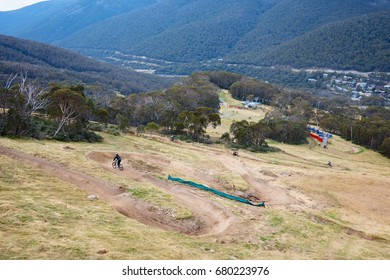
(225, 137)
(96, 127)
(385, 147)
(152, 127)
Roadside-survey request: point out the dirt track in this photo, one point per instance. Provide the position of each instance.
(210, 218)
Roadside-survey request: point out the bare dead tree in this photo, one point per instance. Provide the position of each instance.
(36, 99)
(34, 94)
(23, 80)
(10, 80)
(153, 103)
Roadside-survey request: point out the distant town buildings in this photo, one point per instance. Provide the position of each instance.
(356, 86)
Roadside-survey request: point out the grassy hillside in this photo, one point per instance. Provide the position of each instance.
(53, 64)
(309, 214)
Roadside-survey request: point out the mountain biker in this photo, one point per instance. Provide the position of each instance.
(118, 158)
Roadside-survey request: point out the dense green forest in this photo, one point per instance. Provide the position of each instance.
(167, 29)
(361, 43)
(290, 19)
(51, 64)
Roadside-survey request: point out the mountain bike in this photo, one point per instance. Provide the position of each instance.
(115, 165)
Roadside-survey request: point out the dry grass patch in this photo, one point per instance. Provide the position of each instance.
(231, 113)
(163, 200)
(52, 219)
(75, 157)
(231, 182)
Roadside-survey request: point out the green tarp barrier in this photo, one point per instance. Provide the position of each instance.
(203, 187)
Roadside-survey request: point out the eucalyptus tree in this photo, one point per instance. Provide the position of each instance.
(197, 121)
(66, 105)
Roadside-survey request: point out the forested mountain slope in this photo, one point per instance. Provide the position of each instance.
(20, 22)
(54, 64)
(186, 31)
(55, 20)
(178, 30)
(361, 43)
(183, 30)
(289, 19)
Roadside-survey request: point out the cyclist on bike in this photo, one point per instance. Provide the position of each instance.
(118, 159)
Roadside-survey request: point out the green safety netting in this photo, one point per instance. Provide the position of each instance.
(203, 187)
